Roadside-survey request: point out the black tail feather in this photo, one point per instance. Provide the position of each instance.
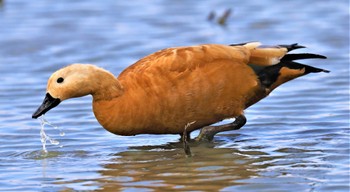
(291, 57)
(269, 75)
(287, 61)
(291, 69)
(292, 46)
(308, 69)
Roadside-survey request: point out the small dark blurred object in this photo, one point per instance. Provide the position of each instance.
(211, 15)
(222, 19)
(1, 3)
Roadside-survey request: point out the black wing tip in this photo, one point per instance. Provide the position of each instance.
(240, 44)
(302, 55)
(325, 71)
(314, 56)
(308, 68)
(292, 47)
(317, 70)
(321, 56)
(297, 56)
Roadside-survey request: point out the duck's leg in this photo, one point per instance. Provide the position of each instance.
(184, 136)
(207, 133)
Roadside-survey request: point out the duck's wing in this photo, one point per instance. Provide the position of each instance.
(182, 59)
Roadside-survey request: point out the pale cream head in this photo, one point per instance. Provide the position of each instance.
(78, 80)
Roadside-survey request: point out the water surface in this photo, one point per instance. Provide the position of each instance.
(297, 139)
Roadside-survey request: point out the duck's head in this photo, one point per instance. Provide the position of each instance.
(77, 80)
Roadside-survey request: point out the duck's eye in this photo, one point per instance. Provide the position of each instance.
(60, 80)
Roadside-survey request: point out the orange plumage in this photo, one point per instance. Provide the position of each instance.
(166, 90)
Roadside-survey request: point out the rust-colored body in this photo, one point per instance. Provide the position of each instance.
(166, 90)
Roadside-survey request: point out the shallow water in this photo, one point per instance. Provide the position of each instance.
(297, 139)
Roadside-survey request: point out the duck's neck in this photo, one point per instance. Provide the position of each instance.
(106, 86)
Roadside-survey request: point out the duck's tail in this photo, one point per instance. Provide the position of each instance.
(287, 68)
(265, 55)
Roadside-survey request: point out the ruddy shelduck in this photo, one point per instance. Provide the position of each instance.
(169, 89)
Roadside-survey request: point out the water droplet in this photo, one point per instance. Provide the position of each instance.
(54, 142)
(44, 137)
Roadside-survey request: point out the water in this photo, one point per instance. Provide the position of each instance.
(297, 139)
(44, 137)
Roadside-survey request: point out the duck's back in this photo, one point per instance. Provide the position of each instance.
(170, 88)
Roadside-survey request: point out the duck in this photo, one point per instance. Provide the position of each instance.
(181, 89)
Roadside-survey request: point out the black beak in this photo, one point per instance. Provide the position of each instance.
(48, 103)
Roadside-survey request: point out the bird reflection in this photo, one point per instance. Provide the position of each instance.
(165, 167)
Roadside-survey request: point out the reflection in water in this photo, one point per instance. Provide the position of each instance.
(166, 167)
(234, 163)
